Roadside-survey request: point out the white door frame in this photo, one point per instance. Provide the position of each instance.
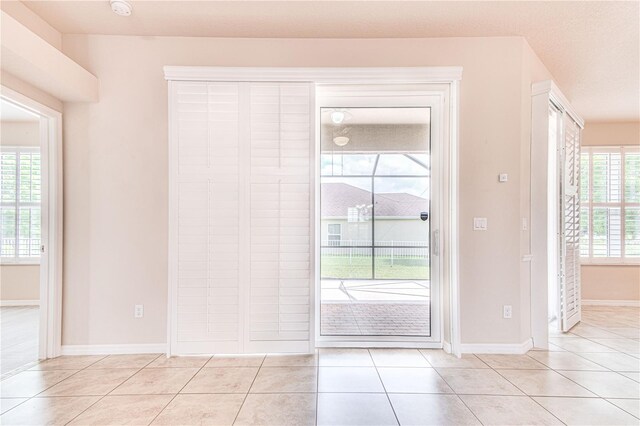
(50, 338)
(390, 96)
(448, 77)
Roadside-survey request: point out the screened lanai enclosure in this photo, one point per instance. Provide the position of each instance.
(375, 206)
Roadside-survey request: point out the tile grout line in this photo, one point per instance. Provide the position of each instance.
(550, 369)
(249, 390)
(178, 393)
(526, 394)
(105, 395)
(49, 387)
(384, 387)
(616, 351)
(623, 409)
(607, 369)
(451, 387)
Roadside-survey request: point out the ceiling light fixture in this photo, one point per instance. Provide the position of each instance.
(337, 117)
(341, 140)
(121, 7)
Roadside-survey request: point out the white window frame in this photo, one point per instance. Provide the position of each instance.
(622, 204)
(17, 260)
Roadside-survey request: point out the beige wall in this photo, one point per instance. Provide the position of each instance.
(116, 172)
(609, 282)
(611, 133)
(605, 282)
(19, 282)
(19, 133)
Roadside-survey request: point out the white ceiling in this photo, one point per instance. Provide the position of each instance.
(10, 112)
(591, 48)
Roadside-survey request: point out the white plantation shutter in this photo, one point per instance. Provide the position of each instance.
(206, 198)
(570, 226)
(280, 149)
(240, 214)
(20, 204)
(611, 205)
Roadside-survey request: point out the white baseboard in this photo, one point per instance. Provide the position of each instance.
(35, 302)
(446, 346)
(153, 348)
(496, 348)
(596, 302)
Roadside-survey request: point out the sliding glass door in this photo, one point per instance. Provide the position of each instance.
(375, 208)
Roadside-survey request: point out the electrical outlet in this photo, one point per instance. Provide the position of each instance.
(503, 177)
(507, 311)
(138, 311)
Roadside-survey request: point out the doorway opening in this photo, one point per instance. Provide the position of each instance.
(378, 216)
(30, 232)
(20, 234)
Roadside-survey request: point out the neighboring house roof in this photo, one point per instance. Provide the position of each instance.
(337, 198)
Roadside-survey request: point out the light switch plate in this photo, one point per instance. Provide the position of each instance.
(503, 177)
(138, 311)
(479, 223)
(507, 311)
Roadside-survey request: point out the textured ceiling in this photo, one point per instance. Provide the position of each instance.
(591, 48)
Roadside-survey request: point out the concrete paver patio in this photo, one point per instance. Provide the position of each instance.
(375, 308)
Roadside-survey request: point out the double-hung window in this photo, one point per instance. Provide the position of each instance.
(20, 204)
(610, 205)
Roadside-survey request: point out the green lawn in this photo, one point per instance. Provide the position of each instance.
(360, 267)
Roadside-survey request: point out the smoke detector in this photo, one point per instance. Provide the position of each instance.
(121, 7)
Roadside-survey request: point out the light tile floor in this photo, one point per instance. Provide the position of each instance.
(567, 385)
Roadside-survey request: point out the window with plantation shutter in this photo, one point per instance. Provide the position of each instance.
(610, 196)
(20, 183)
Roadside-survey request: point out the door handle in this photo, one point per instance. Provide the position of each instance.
(436, 243)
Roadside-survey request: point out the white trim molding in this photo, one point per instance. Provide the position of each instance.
(555, 94)
(28, 302)
(600, 302)
(149, 348)
(497, 348)
(403, 75)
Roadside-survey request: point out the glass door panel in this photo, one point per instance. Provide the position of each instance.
(401, 228)
(346, 228)
(375, 226)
